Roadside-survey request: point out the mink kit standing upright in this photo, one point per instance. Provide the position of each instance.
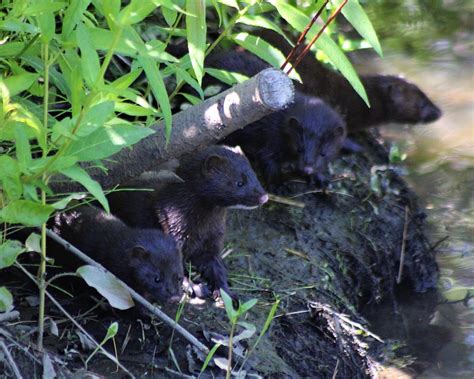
(193, 210)
(298, 142)
(146, 259)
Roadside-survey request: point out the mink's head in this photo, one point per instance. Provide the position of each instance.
(315, 134)
(222, 176)
(156, 266)
(407, 102)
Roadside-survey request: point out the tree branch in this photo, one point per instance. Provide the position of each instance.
(203, 124)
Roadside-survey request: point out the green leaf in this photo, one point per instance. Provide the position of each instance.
(246, 306)
(6, 299)
(229, 307)
(9, 252)
(10, 177)
(356, 15)
(170, 15)
(81, 176)
(45, 18)
(263, 50)
(210, 355)
(73, 15)
(196, 35)
(115, 293)
(227, 77)
(262, 22)
(111, 331)
(299, 20)
(90, 63)
(184, 75)
(126, 80)
(159, 91)
(23, 148)
(33, 243)
(95, 118)
(134, 110)
(19, 83)
(61, 204)
(106, 141)
(136, 11)
(26, 212)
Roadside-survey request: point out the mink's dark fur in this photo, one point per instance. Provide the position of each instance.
(299, 141)
(145, 259)
(193, 211)
(392, 99)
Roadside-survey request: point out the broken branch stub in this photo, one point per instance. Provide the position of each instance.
(201, 125)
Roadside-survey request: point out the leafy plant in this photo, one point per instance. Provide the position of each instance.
(83, 79)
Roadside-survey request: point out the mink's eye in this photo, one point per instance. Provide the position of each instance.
(322, 153)
(240, 183)
(157, 278)
(299, 150)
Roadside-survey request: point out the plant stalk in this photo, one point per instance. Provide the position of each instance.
(231, 347)
(42, 268)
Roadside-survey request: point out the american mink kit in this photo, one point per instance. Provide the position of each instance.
(146, 259)
(193, 210)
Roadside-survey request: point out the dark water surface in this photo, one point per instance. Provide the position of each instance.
(431, 44)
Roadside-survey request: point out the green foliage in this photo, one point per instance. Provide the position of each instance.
(82, 79)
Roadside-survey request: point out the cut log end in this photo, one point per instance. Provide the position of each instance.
(276, 89)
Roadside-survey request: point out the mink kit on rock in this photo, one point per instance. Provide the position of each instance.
(146, 259)
(392, 99)
(193, 210)
(298, 142)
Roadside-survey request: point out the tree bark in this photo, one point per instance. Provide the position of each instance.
(203, 124)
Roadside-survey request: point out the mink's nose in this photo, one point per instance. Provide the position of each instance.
(263, 199)
(430, 114)
(308, 170)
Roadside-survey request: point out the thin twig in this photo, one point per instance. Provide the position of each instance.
(306, 49)
(135, 295)
(10, 360)
(73, 320)
(286, 201)
(334, 375)
(402, 250)
(302, 36)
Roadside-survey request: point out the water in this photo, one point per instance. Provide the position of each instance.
(431, 44)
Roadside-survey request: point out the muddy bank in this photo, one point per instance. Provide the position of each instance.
(324, 262)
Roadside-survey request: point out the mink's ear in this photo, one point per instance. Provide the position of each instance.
(213, 162)
(339, 131)
(139, 252)
(294, 123)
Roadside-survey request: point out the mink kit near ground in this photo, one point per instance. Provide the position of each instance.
(193, 210)
(298, 142)
(146, 259)
(392, 99)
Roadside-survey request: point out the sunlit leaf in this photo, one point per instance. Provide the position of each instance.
(196, 35)
(263, 50)
(19, 83)
(356, 15)
(25, 212)
(10, 177)
(95, 118)
(115, 293)
(9, 251)
(81, 176)
(90, 63)
(136, 11)
(227, 77)
(73, 15)
(107, 141)
(33, 243)
(299, 20)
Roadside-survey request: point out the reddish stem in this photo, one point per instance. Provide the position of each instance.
(306, 49)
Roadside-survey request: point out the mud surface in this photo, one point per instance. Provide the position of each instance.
(324, 262)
